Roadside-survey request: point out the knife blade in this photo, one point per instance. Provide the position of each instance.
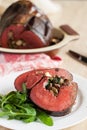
(78, 56)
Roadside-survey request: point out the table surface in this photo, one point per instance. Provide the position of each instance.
(73, 13)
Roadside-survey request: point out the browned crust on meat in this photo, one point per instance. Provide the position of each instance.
(61, 113)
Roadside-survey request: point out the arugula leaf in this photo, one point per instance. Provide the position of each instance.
(30, 119)
(16, 105)
(45, 118)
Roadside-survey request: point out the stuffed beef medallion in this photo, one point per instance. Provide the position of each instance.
(24, 26)
(50, 89)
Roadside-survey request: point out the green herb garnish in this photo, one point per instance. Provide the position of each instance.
(16, 105)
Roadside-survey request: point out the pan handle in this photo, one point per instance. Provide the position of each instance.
(68, 30)
(69, 35)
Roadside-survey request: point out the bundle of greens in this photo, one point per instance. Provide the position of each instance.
(17, 105)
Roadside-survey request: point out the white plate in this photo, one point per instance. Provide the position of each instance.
(78, 114)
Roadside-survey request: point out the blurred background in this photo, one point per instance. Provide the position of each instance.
(40, 3)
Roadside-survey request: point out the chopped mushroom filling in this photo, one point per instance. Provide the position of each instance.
(12, 43)
(54, 84)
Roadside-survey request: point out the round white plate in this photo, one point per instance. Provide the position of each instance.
(78, 113)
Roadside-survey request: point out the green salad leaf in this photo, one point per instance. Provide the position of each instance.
(45, 118)
(17, 105)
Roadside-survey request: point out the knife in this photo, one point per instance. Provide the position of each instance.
(78, 56)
